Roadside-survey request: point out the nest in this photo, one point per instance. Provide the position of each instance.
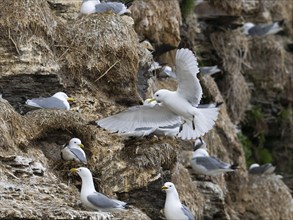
(103, 48)
(267, 65)
(232, 48)
(232, 7)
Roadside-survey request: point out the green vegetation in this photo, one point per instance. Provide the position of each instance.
(186, 8)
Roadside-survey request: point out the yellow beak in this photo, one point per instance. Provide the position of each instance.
(164, 187)
(73, 170)
(151, 100)
(81, 145)
(70, 99)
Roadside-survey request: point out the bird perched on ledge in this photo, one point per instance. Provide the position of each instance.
(92, 199)
(73, 151)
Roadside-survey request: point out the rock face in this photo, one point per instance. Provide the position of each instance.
(97, 59)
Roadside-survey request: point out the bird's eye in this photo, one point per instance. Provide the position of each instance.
(75, 142)
(170, 186)
(157, 95)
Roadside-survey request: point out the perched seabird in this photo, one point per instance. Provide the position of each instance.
(174, 209)
(180, 106)
(209, 70)
(92, 199)
(58, 101)
(95, 6)
(203, 163)
(73, 151)
(262, 29)
(256, 169)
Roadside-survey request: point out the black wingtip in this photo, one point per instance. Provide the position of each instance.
(219, 104)
(234, 166)
(281, 22)
(92, 123)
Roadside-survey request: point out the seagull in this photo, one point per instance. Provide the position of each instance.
(92, 199)
(95, 6)
(256, 169)
(58, 101)
(180, 106)
(174, 209)
(203, 163)
(73, 151)
(262, 29)
(209, 70)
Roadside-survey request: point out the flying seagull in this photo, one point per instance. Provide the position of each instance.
(95, 6)
(256, 169)
(262, 29)
(174, 209)
(203, 163)
(73, 151)
(172, 106)
(58, 101)
(92, 199)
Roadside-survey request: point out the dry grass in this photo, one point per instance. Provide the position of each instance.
(103, 48)
(232, 47)
(232, 7)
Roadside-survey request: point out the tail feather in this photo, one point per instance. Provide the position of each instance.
(204, 120)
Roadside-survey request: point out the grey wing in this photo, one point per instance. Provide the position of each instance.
(260, 29)
(102, 201)
(261, 169)
(115, 7)
(138, 117)
(79, 154)
(49, 103)
(210, 163)
(186, 72)
(187, 212)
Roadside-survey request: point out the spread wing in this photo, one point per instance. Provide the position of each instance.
(141, 116)
(186, 72)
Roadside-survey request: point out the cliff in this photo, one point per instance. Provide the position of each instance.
(98, 59)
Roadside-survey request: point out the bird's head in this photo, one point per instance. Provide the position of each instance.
(160, 95)
(83, 172)
(168, 187)
(246, 27)
(75, 142)
(62, 96)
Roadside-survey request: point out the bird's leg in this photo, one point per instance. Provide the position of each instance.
(193, 125)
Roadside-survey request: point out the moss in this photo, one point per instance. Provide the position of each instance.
(186, 8)
(247, 148)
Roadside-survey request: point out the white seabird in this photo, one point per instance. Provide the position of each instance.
(174, 209)
(95, 6)
(73, 151)
(92, 199)
(173, 106)
(58, 101)
(203, 163)
(256, 169)
(262, 29)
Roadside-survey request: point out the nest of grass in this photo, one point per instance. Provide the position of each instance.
(103, 48)
(232, 7)
(232, 47)
(22, 20)
(267, 62)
